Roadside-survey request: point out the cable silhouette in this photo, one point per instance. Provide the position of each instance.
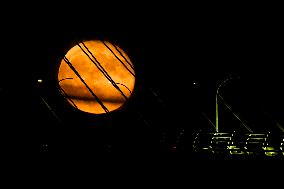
(207, 118)
(118, 58)
(229, 107)
(64, 94)
(274, 120)
(94, 60)
(51, 110)
(101, 69)
(82, 80)
(98, 65)
(124, 57)
(64, 79)
(125, 87)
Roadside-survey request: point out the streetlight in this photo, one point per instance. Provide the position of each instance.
(217, 94)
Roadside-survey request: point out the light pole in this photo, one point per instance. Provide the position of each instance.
(216, 100)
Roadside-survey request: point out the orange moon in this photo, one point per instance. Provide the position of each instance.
(96, 77)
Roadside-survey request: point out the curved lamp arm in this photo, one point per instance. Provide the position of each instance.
(216, 101)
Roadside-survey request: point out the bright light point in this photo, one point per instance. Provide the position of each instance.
(39, 80)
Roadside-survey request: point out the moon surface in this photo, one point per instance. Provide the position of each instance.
(96, 77)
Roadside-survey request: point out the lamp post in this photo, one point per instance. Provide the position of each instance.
(216, 101)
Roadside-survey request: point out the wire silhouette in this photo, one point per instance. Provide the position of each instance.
(125, 87)
(229, 107)
(99, 66)
(93, 59)
(82, 80)
(118, 58)
(124, 57)
(64, 94)
(274, 120)
(51, 110)
(207, 118)
(64, 79)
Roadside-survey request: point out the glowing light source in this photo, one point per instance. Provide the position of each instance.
(96, 77)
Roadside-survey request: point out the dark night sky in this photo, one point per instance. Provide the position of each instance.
(170, 52)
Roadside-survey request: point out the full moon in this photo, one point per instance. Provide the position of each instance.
(96, 77)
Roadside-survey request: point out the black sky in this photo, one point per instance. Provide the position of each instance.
(170, 52)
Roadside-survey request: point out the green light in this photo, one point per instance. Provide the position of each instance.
(270, 151)
(257, 139)
(257, 134)
(235, 150)
(216, 100)
(217, 125)
(205, 148)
